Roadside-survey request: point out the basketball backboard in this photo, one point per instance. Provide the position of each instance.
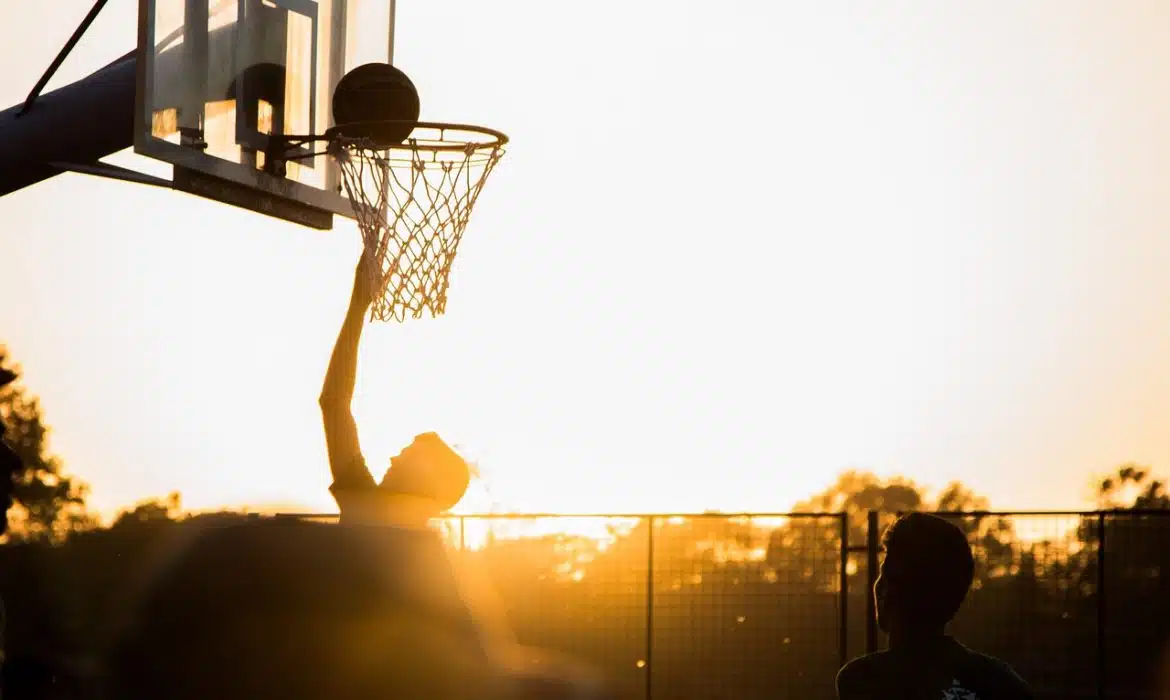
(218, 78)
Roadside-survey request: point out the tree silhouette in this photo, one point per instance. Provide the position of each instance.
(805, 547)
(150, 512)
(1132, 483)
(857, 493)
(48, 503)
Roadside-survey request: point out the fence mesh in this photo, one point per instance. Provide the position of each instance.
(715, 606)
(1136, 606)
(751, 606)
(737, 607)
(746, 607)
(571, 585)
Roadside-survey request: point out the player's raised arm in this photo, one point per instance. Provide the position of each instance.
(341, 436)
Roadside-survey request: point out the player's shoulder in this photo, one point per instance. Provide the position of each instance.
(865, 665)
(999, 674)
(862, 673)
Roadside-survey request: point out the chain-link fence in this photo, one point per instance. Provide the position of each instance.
(718, 606)
(686, 606)
(771, 605)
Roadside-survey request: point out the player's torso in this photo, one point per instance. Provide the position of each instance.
(949, 671)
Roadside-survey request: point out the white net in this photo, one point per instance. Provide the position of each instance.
(412, 203)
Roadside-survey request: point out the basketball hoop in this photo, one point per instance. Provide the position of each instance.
(412, 202)
(411, 184)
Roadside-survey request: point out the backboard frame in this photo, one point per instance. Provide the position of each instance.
(209, 176)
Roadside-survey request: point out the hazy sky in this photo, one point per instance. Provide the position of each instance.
(735, 248)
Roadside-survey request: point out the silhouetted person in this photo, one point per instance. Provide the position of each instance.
(424, 479)
(923, 581)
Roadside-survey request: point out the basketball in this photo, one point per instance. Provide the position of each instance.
(376, 101)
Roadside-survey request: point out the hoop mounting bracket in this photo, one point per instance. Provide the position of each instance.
(112, 172)
(61, 56)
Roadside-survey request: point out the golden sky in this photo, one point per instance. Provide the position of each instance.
(735, 248)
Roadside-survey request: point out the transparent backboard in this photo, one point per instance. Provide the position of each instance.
(218, 78)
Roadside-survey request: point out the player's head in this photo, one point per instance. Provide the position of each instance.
(927, 571)
(429, 469)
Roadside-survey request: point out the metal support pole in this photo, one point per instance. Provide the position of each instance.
(843, 629)
(192, 109)
(873, 543)
(61, 56)
(1101, 680)
(52, 133)
(112, 172)
(649, 606)
(390, 45)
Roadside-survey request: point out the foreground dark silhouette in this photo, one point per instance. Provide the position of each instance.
(296, 610)
(923, 581)
(741, 609)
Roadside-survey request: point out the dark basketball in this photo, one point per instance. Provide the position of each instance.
(376, 101)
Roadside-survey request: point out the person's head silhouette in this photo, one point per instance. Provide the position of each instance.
(927, 571)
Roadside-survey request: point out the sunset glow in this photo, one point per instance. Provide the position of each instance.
(788, 239)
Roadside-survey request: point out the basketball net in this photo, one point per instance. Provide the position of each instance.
(412, 203)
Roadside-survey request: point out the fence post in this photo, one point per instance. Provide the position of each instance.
(872, 545)
(843, 630)
(649, 604)
(1101, 637)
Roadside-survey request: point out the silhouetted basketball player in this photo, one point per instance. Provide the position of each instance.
(923, 581)
(424, 479)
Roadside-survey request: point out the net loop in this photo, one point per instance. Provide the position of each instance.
(412, 202)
